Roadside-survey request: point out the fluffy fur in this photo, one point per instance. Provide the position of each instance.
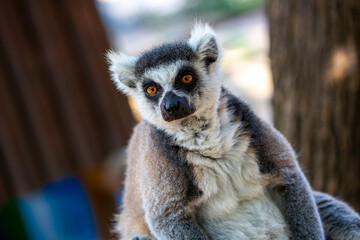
(219, 173)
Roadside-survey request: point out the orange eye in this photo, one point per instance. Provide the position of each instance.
(186, 79)
(151, 90)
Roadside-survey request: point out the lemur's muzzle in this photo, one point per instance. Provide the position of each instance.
(174, 107)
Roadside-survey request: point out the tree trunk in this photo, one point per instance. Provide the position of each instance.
(315, 60)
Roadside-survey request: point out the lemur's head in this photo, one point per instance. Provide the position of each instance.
(173, 81)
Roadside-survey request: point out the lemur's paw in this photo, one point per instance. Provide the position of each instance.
(140, 238)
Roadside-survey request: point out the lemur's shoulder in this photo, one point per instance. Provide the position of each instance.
(161, 162)
(273, 151)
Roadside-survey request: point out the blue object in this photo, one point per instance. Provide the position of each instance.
(60, 211)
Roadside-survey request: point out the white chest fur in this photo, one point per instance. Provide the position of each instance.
(235, 203)
(228, 180)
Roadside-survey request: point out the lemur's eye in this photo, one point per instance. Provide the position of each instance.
(151, 90)
(186, 79)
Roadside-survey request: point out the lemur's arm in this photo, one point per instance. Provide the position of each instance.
(289, 186)
(298, 206)
(167, 191)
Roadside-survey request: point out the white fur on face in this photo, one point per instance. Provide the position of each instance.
(164, 75)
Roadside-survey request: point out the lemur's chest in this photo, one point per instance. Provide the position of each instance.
(224, 167)
(235, 201)
(227, 181)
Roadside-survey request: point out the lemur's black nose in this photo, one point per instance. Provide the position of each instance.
(174, 107)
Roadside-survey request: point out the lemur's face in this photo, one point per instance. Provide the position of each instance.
(173, 81)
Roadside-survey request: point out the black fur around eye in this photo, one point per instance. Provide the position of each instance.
(188, 86)
(152, 90)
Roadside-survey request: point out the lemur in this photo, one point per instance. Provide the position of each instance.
(202, 165)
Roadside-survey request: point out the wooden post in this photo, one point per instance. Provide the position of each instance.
(315, 60)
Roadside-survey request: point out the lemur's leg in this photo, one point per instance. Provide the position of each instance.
(339, 220)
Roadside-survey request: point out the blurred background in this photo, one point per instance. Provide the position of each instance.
(63, 126)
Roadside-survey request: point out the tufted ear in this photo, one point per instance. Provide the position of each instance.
(204, 43)
(122, 69)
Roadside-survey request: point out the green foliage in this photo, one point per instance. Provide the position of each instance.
(219, 9)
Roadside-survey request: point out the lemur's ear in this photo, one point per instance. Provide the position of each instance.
(204, 43)
(122, 68)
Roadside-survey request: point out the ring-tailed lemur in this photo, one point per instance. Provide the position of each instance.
(202, 165)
